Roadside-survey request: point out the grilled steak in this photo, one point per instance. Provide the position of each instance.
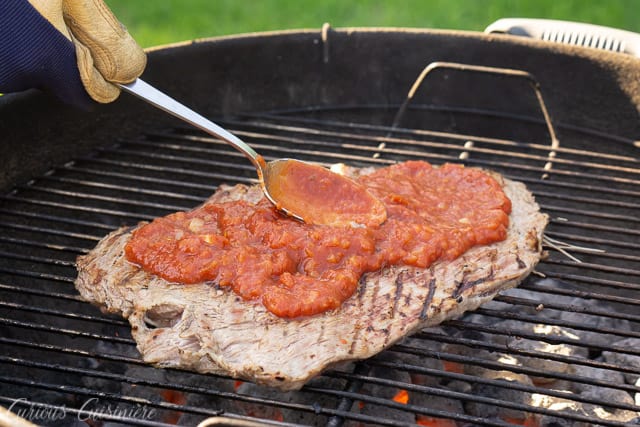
(205, 328)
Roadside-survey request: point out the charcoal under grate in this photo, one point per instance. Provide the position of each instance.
(562, 349)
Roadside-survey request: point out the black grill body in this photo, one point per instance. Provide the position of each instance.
(570, 332)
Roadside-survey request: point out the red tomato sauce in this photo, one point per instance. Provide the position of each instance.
(320, 196)
(297, 269)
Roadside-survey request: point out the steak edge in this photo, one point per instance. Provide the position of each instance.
(205, 328)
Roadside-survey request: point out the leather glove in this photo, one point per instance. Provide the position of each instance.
(76, 49)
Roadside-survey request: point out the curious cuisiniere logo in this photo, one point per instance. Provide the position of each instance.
(92, 409)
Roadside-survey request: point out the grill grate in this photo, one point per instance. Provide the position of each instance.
(572, 329)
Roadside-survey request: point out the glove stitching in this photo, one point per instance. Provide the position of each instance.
(100, 89)
(78, 34)
(110, 18)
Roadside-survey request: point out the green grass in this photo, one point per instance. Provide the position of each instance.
(159, 22)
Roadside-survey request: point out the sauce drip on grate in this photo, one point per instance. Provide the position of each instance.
(297, 269)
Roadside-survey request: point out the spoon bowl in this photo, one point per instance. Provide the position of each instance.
(304, 191)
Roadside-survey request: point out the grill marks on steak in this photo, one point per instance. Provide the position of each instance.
(207, 329)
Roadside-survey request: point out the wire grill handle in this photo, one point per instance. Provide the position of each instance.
(573, 33)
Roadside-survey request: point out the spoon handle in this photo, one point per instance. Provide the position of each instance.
(164, 102)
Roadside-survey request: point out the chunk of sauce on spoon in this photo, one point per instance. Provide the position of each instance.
(298, 269)
(322, 197)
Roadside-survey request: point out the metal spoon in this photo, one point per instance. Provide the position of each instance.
(289, 201)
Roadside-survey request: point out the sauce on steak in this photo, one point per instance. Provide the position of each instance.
(299, 269)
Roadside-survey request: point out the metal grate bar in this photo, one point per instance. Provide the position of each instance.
(156, 384)
(97, 211)
(89, 196)
(285, 116)
(346, 403)
(503, 348)
(167, 170)
(134, 190)
(43, 245)
(41, 215)
(173, 158)
(589, 213)
(213, 147)
(412, 153)
(325, 143)
(555, 185)
(354, 396)
(65, 331)
(595, 227)
(583, 295)
(37, 275)
(596, 267)
(602, 255)
(498, 366)
(240, 397)
(136, 178)
(410, 141)
(592, 281)
(590, 200)
(501, 384)
(34, 229)
(428, 144)
(571, 308)
(496, 383)
(20, 290)
(51, 261)
(65, 314)
(554, 322)
(83, 391)
(72, 351)
(452, 395)
(290, 151)
(591, 239)
(551, 339)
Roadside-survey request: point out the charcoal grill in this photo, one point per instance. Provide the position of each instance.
(562, 349)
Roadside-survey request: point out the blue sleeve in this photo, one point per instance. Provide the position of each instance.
(34, 54)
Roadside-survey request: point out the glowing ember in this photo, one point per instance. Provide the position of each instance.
(177, 398)
(401, 397)
(424, 420)
(453, 367)
(528, 421)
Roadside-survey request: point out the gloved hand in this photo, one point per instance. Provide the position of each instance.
(76, 49)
